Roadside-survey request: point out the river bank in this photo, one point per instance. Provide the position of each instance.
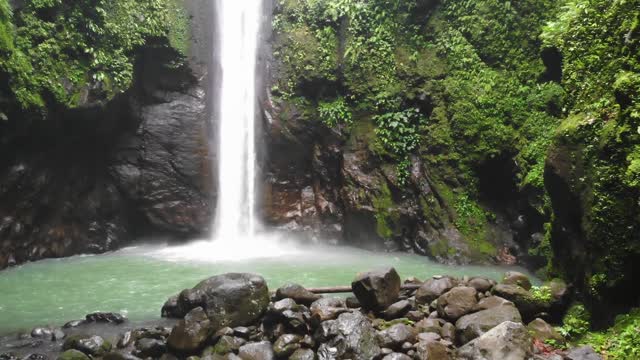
(235, 316)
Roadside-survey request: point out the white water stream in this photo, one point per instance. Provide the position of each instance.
(239, 23)
(234, 235)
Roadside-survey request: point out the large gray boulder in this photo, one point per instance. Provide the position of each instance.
(474, 325)
(434, 288)
(191, 333)
(396, 356)
(256, 351)
(351, 336)
(507, 341)
(492, 301)
(457, 302)
(517, 278)
(298, 293)
(583, 353)
(432, 350)
(396, 335)
(543, 331)
(528, 304)
(377, 290)
(233, 299)
(286, 345)
(303, 354)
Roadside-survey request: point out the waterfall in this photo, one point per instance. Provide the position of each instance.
(239, 23)
(234, 97)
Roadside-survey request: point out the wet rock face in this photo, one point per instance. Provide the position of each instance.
(327, 184)
(91, 179)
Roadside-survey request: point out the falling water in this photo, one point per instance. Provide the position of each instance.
(234, 229)
(239, 23)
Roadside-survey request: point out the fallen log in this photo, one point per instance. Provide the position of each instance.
(347, 289)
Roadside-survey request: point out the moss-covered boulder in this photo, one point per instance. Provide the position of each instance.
(73, 354)
(529, 304)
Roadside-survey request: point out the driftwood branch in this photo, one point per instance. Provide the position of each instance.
(347, 289)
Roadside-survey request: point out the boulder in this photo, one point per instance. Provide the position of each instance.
(94, 346)
(396, 335)
(474, 325)
(108, 318)
(377, 290)
(434, 288)
(397, 310)
(427, 337)
(242, 331)
(448, 331)
(432, 350)
(327, 309)
(73, 354)
(480, 284)
(35, 356)
(125, 339)
(282, 305)
(428, 325)
(517, 278)
(457, 302)
(286, 345)
(507, 341)
(190, 334)
(57, 334)
(529, 305)
(118, 355)
(298, 293)
(397, 356)
(303, 354)
(189, 299)
(542, 331)
(583, 353)
(41, 332)
(559, 290)
(232, 299)
(351, 335)
(170, 308)
(73, 324)
(225, 345)
(492, 301)
(352, 302)
(148, 347)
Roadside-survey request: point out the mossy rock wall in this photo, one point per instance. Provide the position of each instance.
(498, 131)
(94, 175)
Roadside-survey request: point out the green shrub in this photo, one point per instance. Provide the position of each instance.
(335, 112)
(62, 48)
(399, 131)
(576, 322)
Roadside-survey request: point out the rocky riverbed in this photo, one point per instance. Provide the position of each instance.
(235, 316)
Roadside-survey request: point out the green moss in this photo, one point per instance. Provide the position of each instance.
(385, 216)
(179, 32)
(472, 222)
(383, 324)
